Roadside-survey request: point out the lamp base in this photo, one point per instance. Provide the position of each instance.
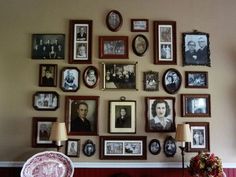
(59, 147)
(182, 153)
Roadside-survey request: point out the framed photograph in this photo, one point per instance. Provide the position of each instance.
(90, 76)
(171, 81)
(140, 44)
(154, 146)
(196, 79)
(81, 115)
(46, 101)
(119, 76)
(72, 147)
(89, 148)
(122, 116)
(169, 146)
(114, 20)
(48, 75)
(151, 81)
(80, 41)
(196, 50)
(123, 148)
(41, 129)
(200, 137)
(139, 25)
(48, 46)
(165, 42)
(113, 47)
(70, 79)
(196, 105)
(160, 114)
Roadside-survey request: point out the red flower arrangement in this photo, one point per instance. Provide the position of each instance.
(205, 165)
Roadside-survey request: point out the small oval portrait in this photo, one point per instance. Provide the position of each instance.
(154, 146)
(90, 76)
(114, 20)
(172, 80)
(89, 148)
(140, 44)
(169, 146)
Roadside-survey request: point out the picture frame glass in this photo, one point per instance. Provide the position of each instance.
(70, 79)
(151, 81)
(170, 146)
(73, 147)
(195, 79)
(91, 76)
(114, 20)
(139, 25)
(140, 44)
(172, 80)
(89, 148)
(154, 146)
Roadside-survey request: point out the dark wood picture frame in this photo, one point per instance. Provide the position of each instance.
(154, 147)
(139, 25)
(169, 146)
(41, 129)
(172, 80)
(80, 41)
(196, 79)
(140, 44)
(123, 148)
(48, 75)
(48, 46)
(91, 76)
(45, 100)
(114, 20)
(196, 49)
(113, 47)
(89, 148)
(165, 42)
(151, 81)
(87, 106)
(73, 147)
(196, 105)
(200, 132)
(70, 79)
(122, 116)
(154, 114)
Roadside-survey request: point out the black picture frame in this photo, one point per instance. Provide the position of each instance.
(91, 76)
(114, 20)
(154, 147)
(196, 79)
(151, 81)
(196, 49)
(48, 75)
(70, 79)
(89, 148)
(73, 147)
(169, 146)
(140, 44)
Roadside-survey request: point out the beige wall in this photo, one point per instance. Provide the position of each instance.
(19, 73)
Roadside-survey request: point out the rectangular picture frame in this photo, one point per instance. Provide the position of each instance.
(73, 147)
(139, 25)
(41, 129)
(70, 79)
(80, 41)
(151, 81)
(48, 46)
(196, 105)
(200, 140)
(48, 75)
(122, 116)
(158, 120)
(164, 42)
(113, 47)
(196, 79)
(85, 107)
(119, 76)
(123, 148)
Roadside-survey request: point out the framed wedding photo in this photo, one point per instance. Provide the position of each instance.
(200, 132)
(196, 79)
(81, 115)
(196, 50)
(113, 47)
(114, 20)
(140, 45)
(123, 148)
(46, 101)
(122, 116)
(139, 25)
(80, 42)
(196, 105)
(151, 81)
(41, 131)
(119, 76)
(160, 114)
(90, 76)
(48, 46)
(70, 79)
(72, 147)
(165, 42)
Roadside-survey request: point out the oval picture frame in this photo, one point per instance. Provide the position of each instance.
(169, 146)
(154, 146)
(89, 148)
(171, 80)
(90, 76)
(114, 20)
(140, 44)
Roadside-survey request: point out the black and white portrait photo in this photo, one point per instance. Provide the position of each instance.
(81, 32)
(114, 20)
(154, 146)
(172, 80)
(73, 147)
(70, 77)
(169, 146)
(165, 36)
(89, 148)
(48, 75)
(151, 81)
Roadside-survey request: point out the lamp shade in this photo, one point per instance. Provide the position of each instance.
(183, 133)
(58, 132)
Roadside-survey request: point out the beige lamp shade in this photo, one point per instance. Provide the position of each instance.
(183, 133)
(58, 132)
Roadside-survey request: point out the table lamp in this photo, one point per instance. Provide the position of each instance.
(58, 134)
(183, 135)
